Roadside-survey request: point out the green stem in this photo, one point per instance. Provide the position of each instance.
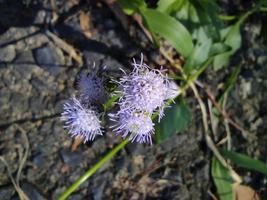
(263, 9)
(92, 170)
(196, 75)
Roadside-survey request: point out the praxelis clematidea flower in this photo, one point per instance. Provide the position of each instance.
(91, 89)
(136, 124)
(144, 89)
(81, 120)
(143, 92)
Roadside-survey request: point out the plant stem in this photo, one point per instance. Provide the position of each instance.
(92, 170)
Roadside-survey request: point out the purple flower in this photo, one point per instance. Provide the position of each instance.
(138, 124)
(91, 89)
(144, 89)
(81, 121)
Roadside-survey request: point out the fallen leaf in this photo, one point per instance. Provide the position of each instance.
(241, 192)
(65, 169)
(77, 141)
(74, 2)
(84, 24)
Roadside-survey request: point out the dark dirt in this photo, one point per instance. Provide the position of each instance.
(37, 77)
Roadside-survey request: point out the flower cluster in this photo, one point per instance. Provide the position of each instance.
(80, 113)
(143, 92)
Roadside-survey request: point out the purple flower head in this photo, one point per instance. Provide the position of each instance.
(138, 124)
(80, 121)
(91, 89)
(144, 89)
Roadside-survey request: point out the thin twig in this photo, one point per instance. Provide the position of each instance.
(224, 114)
(209, 141)
(15, 183)
(64, 46)
(213, 120)
(212, 195)
(20, 192)
(226, 124)
(27, 147)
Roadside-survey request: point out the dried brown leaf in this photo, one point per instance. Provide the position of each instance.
(241, 192)
(77, 141)
(85, 24)
(74, 2)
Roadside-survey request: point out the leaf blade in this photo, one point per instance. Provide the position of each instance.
(222, 180)
(176, 119)
(245, 161)
(170, 29)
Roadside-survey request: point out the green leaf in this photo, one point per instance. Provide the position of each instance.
(107, 105)
(222, 180)
(199, 54)
(207, 14)
(201, 14)
(129, 7)
(231, 38)
(176, 119)
(170, 29)
(218, 48)
(245, 161)
(229, 83)
(168, 6)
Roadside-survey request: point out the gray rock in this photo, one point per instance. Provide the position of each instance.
(49, 58)
(32, 192)
(39, 160)
(75, 197)
(8, 53)
(71, 158)
(6, 192)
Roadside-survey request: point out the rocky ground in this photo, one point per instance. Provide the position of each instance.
(38, 73)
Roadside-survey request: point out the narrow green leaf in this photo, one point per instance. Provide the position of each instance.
(245, 161)
(168, 6)
(129, 7)
(233, 39)
(107, 105)
(176, 119)
(200, 52)
(222, 180)
(229, 83)
(218, 48)
(170, 29)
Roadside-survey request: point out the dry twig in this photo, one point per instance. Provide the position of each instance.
(208, 139)
(65, 46)
(15, 183)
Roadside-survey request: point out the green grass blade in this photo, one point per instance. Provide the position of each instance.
(170, 29)
(222, 180)
(92, 170)
(245, 161)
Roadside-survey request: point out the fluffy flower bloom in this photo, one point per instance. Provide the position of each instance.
(80, 121)
(91, 89)
(144, 89)
(138, 124)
